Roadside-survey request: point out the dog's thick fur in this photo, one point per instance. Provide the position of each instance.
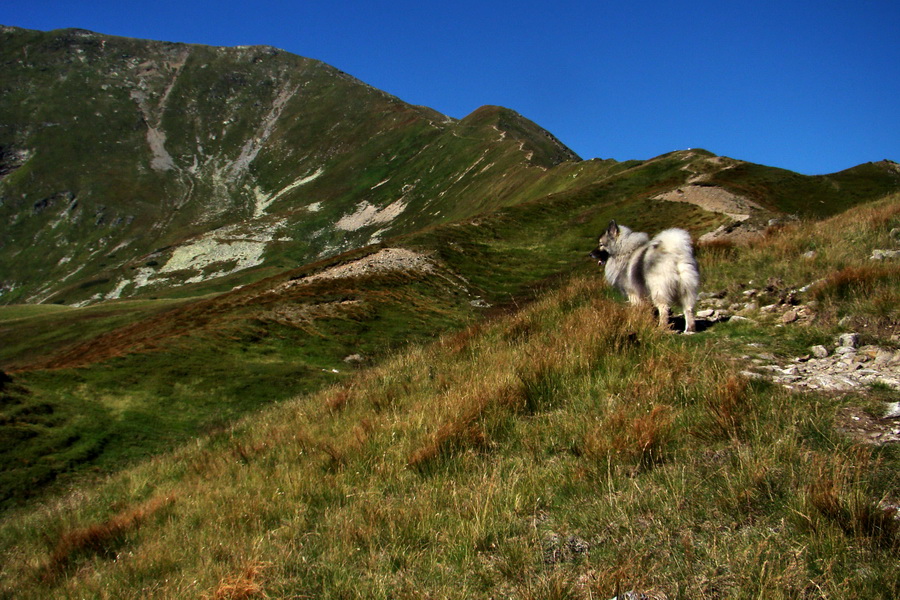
(662, 270)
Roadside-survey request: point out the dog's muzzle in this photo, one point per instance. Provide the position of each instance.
(601, 256)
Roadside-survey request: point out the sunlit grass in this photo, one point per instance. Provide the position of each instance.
(568, 450)
(829, 259)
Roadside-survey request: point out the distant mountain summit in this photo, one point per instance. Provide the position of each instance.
(129, 165)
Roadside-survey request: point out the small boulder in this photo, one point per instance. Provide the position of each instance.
(892, 410)
(819, 351)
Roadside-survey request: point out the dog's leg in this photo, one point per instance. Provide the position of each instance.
(663, 315)
(689, 325)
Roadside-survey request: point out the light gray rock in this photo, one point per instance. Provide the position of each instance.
(884, 254)
(752, 375)
(819, 351)
(740, 319)
(632, 595)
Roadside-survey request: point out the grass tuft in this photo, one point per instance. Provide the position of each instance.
(244, 586)
(337, 398)
(837, 495)
(855, 281)
(726, 409)
(632, 435)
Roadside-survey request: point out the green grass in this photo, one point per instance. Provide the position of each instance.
(23, 311)
(153, 378)
(69, 422)
(831, 260)
(808, 196)
(86, 210)
(566, 449)
(33, 331)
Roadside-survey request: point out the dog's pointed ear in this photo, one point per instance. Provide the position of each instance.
(612, 230)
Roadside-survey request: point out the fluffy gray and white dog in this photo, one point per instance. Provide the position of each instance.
(662, 269)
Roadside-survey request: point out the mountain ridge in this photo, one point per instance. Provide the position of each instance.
(133, 168)
(224, 137)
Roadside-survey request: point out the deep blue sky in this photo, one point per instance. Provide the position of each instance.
(809, 86)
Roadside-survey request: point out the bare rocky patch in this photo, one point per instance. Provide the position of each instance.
(713, 199)
(869, 429)
(386, 260)
(842, 368)
(367, 214)
(747, 218)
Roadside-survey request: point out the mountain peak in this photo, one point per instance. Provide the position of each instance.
(118, 156)
(547, 150)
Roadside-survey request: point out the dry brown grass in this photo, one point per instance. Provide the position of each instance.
(100, 538)
(632, 435)
(337, 398)
(855, 280)
(244, 586)
(720, 249)
(438, 472)
(464, 432)
(467, 427)
(460, 341)
(726, 408)
(837, 495)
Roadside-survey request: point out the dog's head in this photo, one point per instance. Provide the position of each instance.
(605, 244)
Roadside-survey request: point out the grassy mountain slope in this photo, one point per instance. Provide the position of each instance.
(136, 168)
(174, 368)
(284, 229)
(567, 449)
(121, 156)
(202, 362)
(811, 196)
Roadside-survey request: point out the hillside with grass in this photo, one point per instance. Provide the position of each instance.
(98, 387)
(270, 332)
(565, 448)
(133, 166)
(112, 382)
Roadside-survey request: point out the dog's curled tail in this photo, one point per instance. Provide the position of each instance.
(677, 243)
